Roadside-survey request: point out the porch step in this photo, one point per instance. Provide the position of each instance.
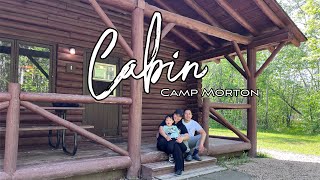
(191, 173)
(164, 168)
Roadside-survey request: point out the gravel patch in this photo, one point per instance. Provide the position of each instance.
(281, 155)
(271, 169)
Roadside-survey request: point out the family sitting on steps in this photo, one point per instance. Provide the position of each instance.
(179, 140)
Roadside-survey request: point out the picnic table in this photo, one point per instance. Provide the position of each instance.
(61, 130)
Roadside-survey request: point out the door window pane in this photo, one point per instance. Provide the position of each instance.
(34, 68)
(103, 75)
(5, 59)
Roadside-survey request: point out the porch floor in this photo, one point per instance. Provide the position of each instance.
(35, 155)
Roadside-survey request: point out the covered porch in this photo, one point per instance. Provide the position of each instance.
(45, 162)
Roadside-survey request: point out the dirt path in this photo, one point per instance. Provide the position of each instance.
(282, 165)
(281, 155)
(268, 168)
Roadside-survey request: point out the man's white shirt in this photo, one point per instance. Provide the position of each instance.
(192, 126)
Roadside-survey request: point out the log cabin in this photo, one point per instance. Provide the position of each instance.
(45, 49)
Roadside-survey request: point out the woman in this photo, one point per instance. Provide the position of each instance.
(177, 148)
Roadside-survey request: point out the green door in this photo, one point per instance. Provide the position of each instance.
(105, 118)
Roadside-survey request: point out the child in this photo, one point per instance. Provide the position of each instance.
(171, 131)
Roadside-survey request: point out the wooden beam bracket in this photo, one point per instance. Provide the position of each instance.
(235, 65)
(243, 62)
(228, 125)
(270, 58)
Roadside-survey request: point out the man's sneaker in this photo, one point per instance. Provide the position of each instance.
(196, 157)
(171, 158)
(178, 172)
(189, 157)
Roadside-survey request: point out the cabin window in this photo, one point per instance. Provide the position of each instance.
(5, 58)
(26, 63)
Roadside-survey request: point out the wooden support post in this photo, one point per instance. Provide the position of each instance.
(12, 130)
(252, 112)
(205, 119)
(270, 58)
(135, 110)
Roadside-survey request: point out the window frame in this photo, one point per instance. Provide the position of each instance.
(14, 64)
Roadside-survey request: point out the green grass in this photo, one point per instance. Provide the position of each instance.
(296, 143)
(233, 161)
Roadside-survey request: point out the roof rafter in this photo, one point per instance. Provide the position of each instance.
(227, 7)
(168, 8)
(269, 13)
(182, 21)
(203, 13)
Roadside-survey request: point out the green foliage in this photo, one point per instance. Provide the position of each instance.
(262, 155)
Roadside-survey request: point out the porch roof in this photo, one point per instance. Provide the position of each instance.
(256, 20)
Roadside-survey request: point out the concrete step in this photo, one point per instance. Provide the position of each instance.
(191, 173)
(150, 170)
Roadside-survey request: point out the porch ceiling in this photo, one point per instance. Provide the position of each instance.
(250, 18)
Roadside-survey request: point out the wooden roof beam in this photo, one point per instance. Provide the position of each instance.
(182, 21)
(203, 13)
(270, 58)
(192, 4)
(109, 23)
(269, 13)
(260, 42)
(176, 32)
(243, 62)
(227, 7)
(273, 17)
(168, 8)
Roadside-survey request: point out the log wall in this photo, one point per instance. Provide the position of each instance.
(73, 23)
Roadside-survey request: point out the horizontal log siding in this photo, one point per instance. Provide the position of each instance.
(66, 24)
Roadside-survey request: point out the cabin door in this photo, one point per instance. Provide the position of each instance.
(105, 118)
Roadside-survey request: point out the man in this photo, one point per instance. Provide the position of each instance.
(194, 142)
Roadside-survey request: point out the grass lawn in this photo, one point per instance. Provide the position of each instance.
(296, 143)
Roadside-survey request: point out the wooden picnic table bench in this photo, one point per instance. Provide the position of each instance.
(61, 130)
